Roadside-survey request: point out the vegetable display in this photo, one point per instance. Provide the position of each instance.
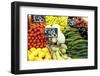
(57, 37)
(60, 20)
(77, 45)
(79, 23)
(36, 37)
(39, 54)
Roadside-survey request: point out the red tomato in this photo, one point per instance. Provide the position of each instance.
(32, 38)
(39, 37)
(32, 27)
(41, 46)
(41, 30)
(30, 34)
(34, 45)
(35, 30)
(37, 46)
(29, 30)
(43, 26)
(41, 41)
(31, 46)
(36, 38)
(38, 25)
(38, 28)
(35, 34)
(42, 36)
(37, 41)
(46, 42)
(34, 41)
(38, 33)
(29, 37)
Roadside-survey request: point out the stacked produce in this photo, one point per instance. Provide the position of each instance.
(36, 36)
(80, 23)
(77, 21)
(57, 46)
(57, 37)
(77, 45)
(38, 54)
(59, 53)
(60, 20)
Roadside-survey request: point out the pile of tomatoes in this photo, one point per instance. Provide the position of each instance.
(36, 36)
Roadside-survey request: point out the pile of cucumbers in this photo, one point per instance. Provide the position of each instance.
(76, 44)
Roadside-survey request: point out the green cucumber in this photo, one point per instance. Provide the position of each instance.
(77, 42)
(79, 48)
(80, 45)
(73, 39)
(69, 33)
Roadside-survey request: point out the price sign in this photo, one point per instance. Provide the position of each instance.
(38, 18)
(51, 32)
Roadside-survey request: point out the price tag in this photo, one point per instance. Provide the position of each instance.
(38, 18)
(51, 32)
